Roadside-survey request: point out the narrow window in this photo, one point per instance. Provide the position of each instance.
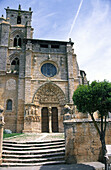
(19, 20)
(15, 65)
(17, 41)
(9, 104)
(13, 62)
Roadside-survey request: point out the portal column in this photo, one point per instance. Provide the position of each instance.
(50, 119)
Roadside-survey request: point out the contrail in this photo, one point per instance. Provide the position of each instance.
(72, 26)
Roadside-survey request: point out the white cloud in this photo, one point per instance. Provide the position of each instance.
(93, 43)
(50, 15)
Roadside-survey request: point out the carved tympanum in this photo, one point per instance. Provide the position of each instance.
(49, 93)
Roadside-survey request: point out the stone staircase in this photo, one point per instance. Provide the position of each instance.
(33, 153)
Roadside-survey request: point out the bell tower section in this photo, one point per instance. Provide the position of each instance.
(20, 21)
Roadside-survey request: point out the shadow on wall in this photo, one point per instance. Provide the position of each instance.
(70, 156)
(100, 159)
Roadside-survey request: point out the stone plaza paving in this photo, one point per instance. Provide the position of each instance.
(28, 137)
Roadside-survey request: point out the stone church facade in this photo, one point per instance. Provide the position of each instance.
(37, 77)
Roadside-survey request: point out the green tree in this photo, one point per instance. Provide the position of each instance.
(95, 97)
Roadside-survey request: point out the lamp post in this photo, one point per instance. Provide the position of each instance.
(1, 131)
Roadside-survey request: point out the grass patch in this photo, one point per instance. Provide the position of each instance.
(10, 135)
(20, 137)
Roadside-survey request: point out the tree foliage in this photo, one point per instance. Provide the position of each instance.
(95, 97)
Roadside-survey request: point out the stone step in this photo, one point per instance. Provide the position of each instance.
(58, 158)
(33, 151)
(35, 142)
(9, 156)
(32, 148)
(32, 164)
(32, 145)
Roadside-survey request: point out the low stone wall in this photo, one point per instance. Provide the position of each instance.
(82, 140)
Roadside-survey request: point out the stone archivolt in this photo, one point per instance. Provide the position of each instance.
(49, 93)
(14, 55)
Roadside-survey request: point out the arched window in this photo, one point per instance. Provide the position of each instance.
(17, 41)
(19, 20)
(9, 104)
(15, 65)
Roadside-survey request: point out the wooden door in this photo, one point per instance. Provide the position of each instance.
(45, 120)
(54, 119)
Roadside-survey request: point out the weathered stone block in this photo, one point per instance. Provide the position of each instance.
(82, 141)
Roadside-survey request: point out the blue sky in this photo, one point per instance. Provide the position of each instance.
(87, 22)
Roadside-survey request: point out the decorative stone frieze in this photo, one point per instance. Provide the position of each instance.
(31, 113)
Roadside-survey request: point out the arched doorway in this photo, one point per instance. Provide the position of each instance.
(45, 120)
(50, 98)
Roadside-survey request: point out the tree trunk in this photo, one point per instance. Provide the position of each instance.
(102, 139)
(102, 136)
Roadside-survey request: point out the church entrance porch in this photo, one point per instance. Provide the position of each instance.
(49, 116)
(45, 113)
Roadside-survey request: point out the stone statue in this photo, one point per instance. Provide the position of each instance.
(67, 112)
(1, 114)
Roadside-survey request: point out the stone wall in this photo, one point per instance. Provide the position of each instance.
(8, 90)
(82, 140)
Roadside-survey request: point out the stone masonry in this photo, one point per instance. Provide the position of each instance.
(37, 77)
(82, 140)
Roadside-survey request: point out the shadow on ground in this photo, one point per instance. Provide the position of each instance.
(67, 167)
(52, 167)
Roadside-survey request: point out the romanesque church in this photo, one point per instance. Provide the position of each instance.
(37, 77)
